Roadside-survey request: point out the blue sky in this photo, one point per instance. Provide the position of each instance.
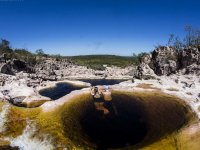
(80, 27)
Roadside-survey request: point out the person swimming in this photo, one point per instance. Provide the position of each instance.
(108, 101)
(99, 100)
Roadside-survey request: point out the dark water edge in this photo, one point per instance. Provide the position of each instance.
(63, 88)
(60, 90)
(117, 129)
(95, 82)
(134, 121)
(7, 147)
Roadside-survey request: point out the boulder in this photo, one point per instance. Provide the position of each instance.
(193, 69)
(189, 56)
(6, 68)
(14, 66)
(146, 59)
(143, 71)
(164, 60)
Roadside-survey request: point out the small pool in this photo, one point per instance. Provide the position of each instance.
(94, 82)
(139, 120)
(60, 90)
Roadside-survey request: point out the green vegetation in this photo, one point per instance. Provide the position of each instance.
(5, 46)
(98, 61)
(21, 54)
(24, 55)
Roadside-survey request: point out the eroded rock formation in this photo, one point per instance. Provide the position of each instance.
(166, 60)
(13, 66)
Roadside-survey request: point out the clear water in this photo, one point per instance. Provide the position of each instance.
(94, 82)
(60, 90)
(63, 88)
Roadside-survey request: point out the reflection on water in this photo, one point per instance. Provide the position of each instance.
(63, 88)
(94, 82)
(115, 130)
(60, 90)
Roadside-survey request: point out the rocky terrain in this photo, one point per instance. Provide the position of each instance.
(167, 61)
(21, 80)
(165, 70)
(54, 69)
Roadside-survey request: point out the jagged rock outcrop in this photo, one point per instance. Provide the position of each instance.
(164, 60)
(167, 60)
(6, 68)
(189, 56)
(144, 72)
(14, 66)
(192, 69)
(53, 69)
(3, 58)
(190, 60)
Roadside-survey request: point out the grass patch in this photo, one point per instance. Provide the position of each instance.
(97, 61)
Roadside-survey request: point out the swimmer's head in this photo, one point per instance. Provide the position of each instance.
(95, 89)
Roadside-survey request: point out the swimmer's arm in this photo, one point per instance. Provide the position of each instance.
(92, 92)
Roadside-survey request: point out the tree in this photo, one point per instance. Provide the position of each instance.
(141, 55)
(171, 40)
(5, 46)
(22, 52)
(40, 52)
(135, 59)
(178, 44)
(175, 42)
(188, 38)
(5, 43)
(197, 37)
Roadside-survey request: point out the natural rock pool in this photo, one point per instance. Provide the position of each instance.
(137, 120)
(59, 90)
(127, 126)
(140, 121)
(64, 88)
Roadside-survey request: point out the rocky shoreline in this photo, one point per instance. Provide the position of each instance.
(165, 69)
(22, 85)
(20, 82)
(157, 77)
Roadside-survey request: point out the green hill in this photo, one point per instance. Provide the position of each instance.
(97, 61)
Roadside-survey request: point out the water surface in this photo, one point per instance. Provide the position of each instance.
(63, 88)
(60, 90)
(94, 82)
